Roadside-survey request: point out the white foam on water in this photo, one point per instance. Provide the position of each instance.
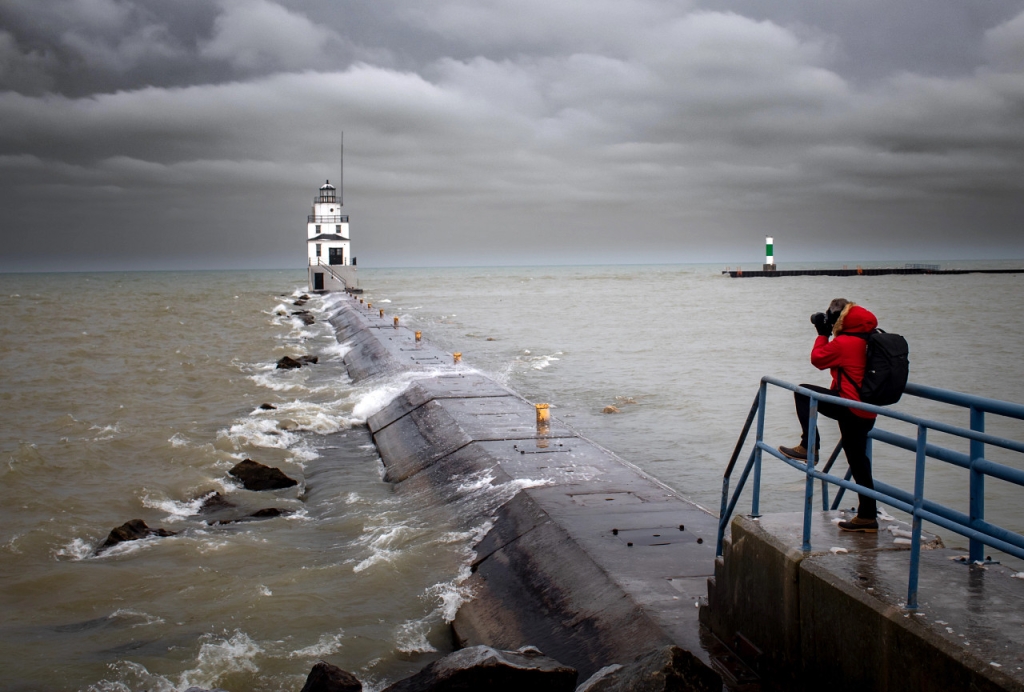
(264, 591)
(336, 351)
(211, 546)
(177, 510)
(219, 656)
(376, 399)
(325, 646)
(106, 432)
(258, 432)
(77, 549)
(411, 637)
(130, 676)
(178, 440)
(370, 401)
(452, 594)
(386, 543)
(271, 380)
(322, 419)
(137, 618)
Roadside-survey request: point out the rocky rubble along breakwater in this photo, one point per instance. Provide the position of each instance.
(214, 507)
(485, 669)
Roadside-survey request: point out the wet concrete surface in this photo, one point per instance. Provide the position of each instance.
(837, 615)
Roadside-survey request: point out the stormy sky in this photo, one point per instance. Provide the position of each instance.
(194, 133)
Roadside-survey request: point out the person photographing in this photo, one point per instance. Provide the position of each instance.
(845, 356)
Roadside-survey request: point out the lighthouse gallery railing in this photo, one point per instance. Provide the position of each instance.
(972, 525)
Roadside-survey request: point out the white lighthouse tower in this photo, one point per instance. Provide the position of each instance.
(331, 265)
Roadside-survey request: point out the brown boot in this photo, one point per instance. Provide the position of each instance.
(859, 525)
(798, 453)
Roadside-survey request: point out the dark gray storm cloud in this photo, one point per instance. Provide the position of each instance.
(195, 133)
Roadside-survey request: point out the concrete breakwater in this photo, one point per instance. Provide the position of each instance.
(592, 561)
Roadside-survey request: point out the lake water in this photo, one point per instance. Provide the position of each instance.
(130, 395)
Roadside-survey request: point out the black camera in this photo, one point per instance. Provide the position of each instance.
(821, 320)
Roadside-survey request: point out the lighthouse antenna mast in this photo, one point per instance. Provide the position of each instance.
(341, 173)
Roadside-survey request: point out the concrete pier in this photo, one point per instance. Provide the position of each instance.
(866, 271)
(834, 617)
(595, 563)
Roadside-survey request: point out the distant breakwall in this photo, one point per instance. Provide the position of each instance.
(861, 271)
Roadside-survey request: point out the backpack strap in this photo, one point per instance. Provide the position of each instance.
(842, 373)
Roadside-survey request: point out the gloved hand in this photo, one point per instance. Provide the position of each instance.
(821, 324)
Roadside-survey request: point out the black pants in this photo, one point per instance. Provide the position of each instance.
(854, 431)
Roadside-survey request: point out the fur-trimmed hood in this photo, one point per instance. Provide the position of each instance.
(854, 319)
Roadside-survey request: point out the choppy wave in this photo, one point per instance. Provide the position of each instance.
(219, 656)
(411, 637)
(177, 510)
(328, 644)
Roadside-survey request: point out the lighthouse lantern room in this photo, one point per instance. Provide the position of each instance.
(331, 265)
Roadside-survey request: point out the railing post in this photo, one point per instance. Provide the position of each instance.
(977, 509)
(755, 504)
(915, 539)
(812, 439)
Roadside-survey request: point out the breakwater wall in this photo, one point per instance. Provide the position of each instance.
(592, 561)
(868, 271)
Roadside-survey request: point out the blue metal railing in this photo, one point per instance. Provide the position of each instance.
(971, 525)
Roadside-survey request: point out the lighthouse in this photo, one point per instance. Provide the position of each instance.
(331, 265)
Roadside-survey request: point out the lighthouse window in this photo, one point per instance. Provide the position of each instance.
(337, 229)
(318, 249)
(318, 228)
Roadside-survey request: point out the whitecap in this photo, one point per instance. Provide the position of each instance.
(76, 549)
(325, 646)
(452, 594)
(411, 637)
(178, 440)
(177, 510)
(385, 543)
(219, 657)
(270, 381)
(106, 432)
(132, 676)
(337, 350)
(258, 433)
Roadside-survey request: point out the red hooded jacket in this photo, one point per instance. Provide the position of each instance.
(846, 352)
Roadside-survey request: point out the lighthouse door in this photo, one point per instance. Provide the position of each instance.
(336, 255)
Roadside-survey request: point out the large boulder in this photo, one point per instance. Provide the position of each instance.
(289, 363)
(265, 513)
(327, 678)
(484, 668)
(130, 531)
(256, 476)
(212, 501)
(664, 670)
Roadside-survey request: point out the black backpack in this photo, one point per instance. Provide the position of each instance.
(886, 369)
